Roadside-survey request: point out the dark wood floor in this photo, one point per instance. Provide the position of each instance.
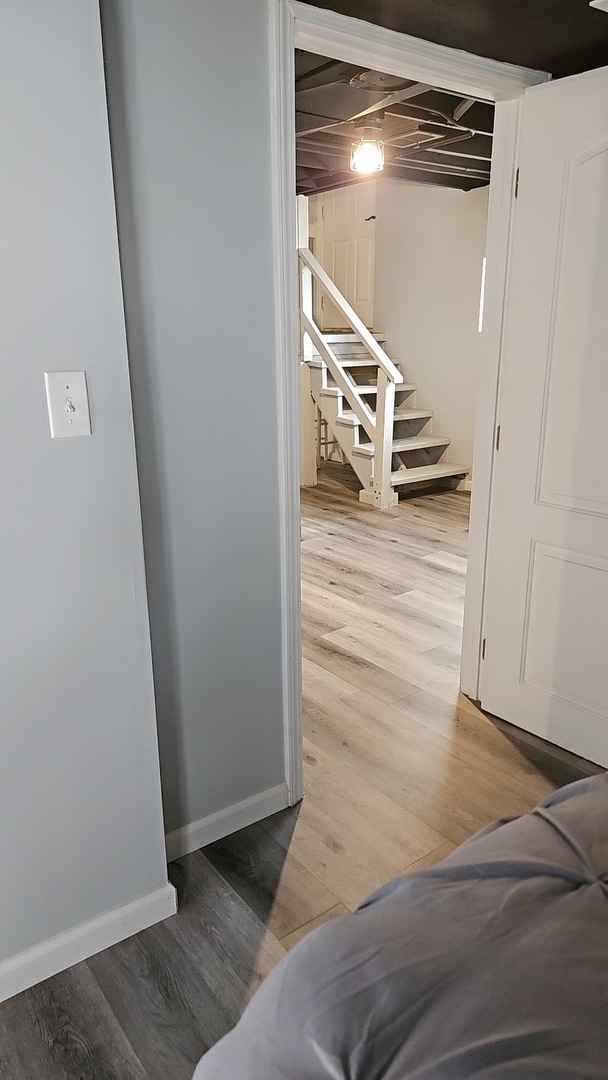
(399, 769)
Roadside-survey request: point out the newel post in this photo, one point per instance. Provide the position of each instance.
(383, 443)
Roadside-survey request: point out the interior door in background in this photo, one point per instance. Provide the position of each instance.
(546, 601)
(344, 242)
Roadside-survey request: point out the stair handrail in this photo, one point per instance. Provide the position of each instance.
(359, 407)
(350, 315)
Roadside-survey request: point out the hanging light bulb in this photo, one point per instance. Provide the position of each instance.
(367, 156)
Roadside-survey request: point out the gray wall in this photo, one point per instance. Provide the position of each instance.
(188, 90)
(79, 791)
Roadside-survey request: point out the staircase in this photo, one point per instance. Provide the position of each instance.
(363, 397)
(416, 456)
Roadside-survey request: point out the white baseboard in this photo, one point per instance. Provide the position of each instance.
(223, 822)
(62, 950)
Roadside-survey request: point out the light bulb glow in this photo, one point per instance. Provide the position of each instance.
(367, 156)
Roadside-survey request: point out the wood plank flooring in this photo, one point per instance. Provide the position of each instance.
(399, 769)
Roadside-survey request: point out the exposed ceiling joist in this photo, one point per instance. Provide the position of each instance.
(394, 99)
(463, 107)
(421, 126)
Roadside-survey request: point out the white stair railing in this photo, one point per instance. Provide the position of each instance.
(378, 426)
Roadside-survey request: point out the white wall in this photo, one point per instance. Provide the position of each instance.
(190, 123)
(430, 242)
(80, 812)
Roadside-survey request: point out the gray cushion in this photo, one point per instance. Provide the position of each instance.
(492, 964)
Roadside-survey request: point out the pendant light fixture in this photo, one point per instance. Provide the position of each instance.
(367, 155)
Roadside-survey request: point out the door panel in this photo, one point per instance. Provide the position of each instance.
(364, 273)
(345, 238)
(339, 260)
(569, 669)
(546, 599)
(573, 473)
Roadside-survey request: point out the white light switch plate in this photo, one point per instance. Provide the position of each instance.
(68, 403)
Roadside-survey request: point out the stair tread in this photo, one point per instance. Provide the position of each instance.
(400, 414)
(427, 472)
(419, 442)
(350, 419)
(413, 414)
(346, 337)
(402, 445)
(370, 388)
(416, 442)
(360, 361)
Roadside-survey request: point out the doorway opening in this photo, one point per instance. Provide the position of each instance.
(383, 590)
(326, 33)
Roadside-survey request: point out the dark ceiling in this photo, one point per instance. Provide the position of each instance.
(429, 135)
(559, 36)
(432, 136)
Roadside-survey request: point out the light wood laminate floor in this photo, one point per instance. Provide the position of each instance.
(399, 769)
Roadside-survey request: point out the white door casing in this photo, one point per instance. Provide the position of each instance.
(345, 247)
(546, 597)
(293, 24)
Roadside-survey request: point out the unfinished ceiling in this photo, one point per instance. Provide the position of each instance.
(430, 135)
(562, 37)
(559, 36)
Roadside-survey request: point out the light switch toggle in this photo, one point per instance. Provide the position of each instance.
(68, 403)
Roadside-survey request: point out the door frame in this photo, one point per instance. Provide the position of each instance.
(297, 25)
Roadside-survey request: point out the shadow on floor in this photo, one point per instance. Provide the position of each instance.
(558, 766)
(244, 869)
(251, 861)
(150, 1007)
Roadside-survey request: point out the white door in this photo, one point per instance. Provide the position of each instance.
(345, 245)
(546, 601)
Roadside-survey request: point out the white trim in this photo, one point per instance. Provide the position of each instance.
(282, 109)
(500, 219)
(223, 822)
(358, 42)
(59, 952)
(330, 34)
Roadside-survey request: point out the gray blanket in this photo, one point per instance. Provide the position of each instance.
(493, 964)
